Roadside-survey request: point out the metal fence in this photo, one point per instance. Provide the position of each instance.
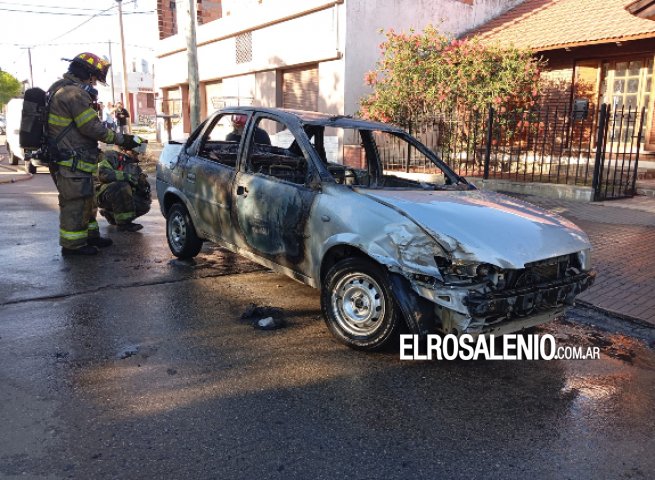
(576, 146)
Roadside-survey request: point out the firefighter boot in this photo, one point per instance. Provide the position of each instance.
(129, 227)
(100, 242)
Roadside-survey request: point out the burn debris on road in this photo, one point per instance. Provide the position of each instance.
(128, 351)
(264, 317)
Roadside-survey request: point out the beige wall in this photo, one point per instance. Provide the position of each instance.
(340, 36)
(365, 18)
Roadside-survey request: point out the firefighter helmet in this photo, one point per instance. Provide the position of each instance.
(94, 64)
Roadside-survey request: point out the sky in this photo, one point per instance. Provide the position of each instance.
(63, 28)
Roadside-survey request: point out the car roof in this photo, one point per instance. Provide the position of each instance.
(317, 118)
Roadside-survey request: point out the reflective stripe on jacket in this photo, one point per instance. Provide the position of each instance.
(80, 165)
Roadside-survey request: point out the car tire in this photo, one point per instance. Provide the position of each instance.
(358, 305)
(181, 234)
(30, 167)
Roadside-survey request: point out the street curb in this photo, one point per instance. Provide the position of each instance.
(596, 318)
(21, 176)
(611, 313)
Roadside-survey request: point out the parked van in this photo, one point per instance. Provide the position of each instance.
(16, 153)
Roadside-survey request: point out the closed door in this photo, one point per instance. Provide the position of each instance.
(626, 87)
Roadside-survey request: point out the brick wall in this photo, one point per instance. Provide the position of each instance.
(146, 103)
(167, 17)
(558, 83)
(209, 10)
(167, 12)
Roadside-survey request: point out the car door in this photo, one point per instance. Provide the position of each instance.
(272, 196)
(210, 174)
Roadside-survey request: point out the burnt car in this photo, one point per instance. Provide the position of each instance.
(306, 194)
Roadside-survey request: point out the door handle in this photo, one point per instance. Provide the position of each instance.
(241, 190)
(191, 177)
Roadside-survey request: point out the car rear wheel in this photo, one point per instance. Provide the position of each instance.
(358, 305)
(180, 233)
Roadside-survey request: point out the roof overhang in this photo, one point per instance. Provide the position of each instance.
(642, 9)
(617, 39)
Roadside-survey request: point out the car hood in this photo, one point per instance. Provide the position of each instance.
(486, 227)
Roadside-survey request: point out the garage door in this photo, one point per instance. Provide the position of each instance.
(300, 88)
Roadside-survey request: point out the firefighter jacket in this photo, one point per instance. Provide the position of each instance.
(119, 167)
(79, 146)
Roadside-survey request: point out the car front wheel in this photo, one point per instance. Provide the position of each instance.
(358, 305)
(181, 234)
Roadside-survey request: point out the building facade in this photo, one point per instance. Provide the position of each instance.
(140, 87)
(601, 51)
(309, 55)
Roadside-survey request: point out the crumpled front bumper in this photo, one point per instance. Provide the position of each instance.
(528, 300)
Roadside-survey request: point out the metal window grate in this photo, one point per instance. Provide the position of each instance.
(243, 44)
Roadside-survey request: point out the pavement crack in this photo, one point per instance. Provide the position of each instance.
(119, 287)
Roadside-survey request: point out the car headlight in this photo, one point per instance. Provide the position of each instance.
(584, 257)
(463, 269)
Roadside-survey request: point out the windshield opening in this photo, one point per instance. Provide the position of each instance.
(379, 159)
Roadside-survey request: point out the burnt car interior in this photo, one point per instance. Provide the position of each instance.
(283, 163)
(352, 156)
(217, 145)
(221, 151)
(361, 160)
(282, 159)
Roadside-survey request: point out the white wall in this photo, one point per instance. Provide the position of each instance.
(342, 37)
(298, 39)
(265, 89)
(366, 17)
(331, 87)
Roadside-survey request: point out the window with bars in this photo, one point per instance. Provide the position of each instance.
(626, 85)
(243, 44)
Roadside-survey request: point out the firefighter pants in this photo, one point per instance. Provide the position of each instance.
(77, 209)
(120, 200)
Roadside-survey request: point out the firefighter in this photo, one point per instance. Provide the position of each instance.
(123, 191)
(75, 130)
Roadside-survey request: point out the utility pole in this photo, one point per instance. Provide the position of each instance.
(111, 77)
(192, 56)
(126, 92)
(29, 58)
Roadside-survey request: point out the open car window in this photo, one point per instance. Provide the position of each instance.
(375, 159)
(274, 152)
(221, 141)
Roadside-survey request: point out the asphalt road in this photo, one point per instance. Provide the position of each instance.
(133, 365)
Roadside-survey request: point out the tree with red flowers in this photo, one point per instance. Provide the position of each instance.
(420, 74)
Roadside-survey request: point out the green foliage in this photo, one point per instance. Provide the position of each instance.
(10, 88)
(420, 74)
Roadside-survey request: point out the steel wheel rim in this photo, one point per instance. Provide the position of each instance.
(358, 304)
(177, 231)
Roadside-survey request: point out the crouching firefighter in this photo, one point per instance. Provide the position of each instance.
(73, 131)
(123, 191)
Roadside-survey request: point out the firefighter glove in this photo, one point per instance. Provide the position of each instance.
(131, 142)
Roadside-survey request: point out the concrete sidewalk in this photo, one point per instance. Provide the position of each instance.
(13, 173)
(623, 236)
